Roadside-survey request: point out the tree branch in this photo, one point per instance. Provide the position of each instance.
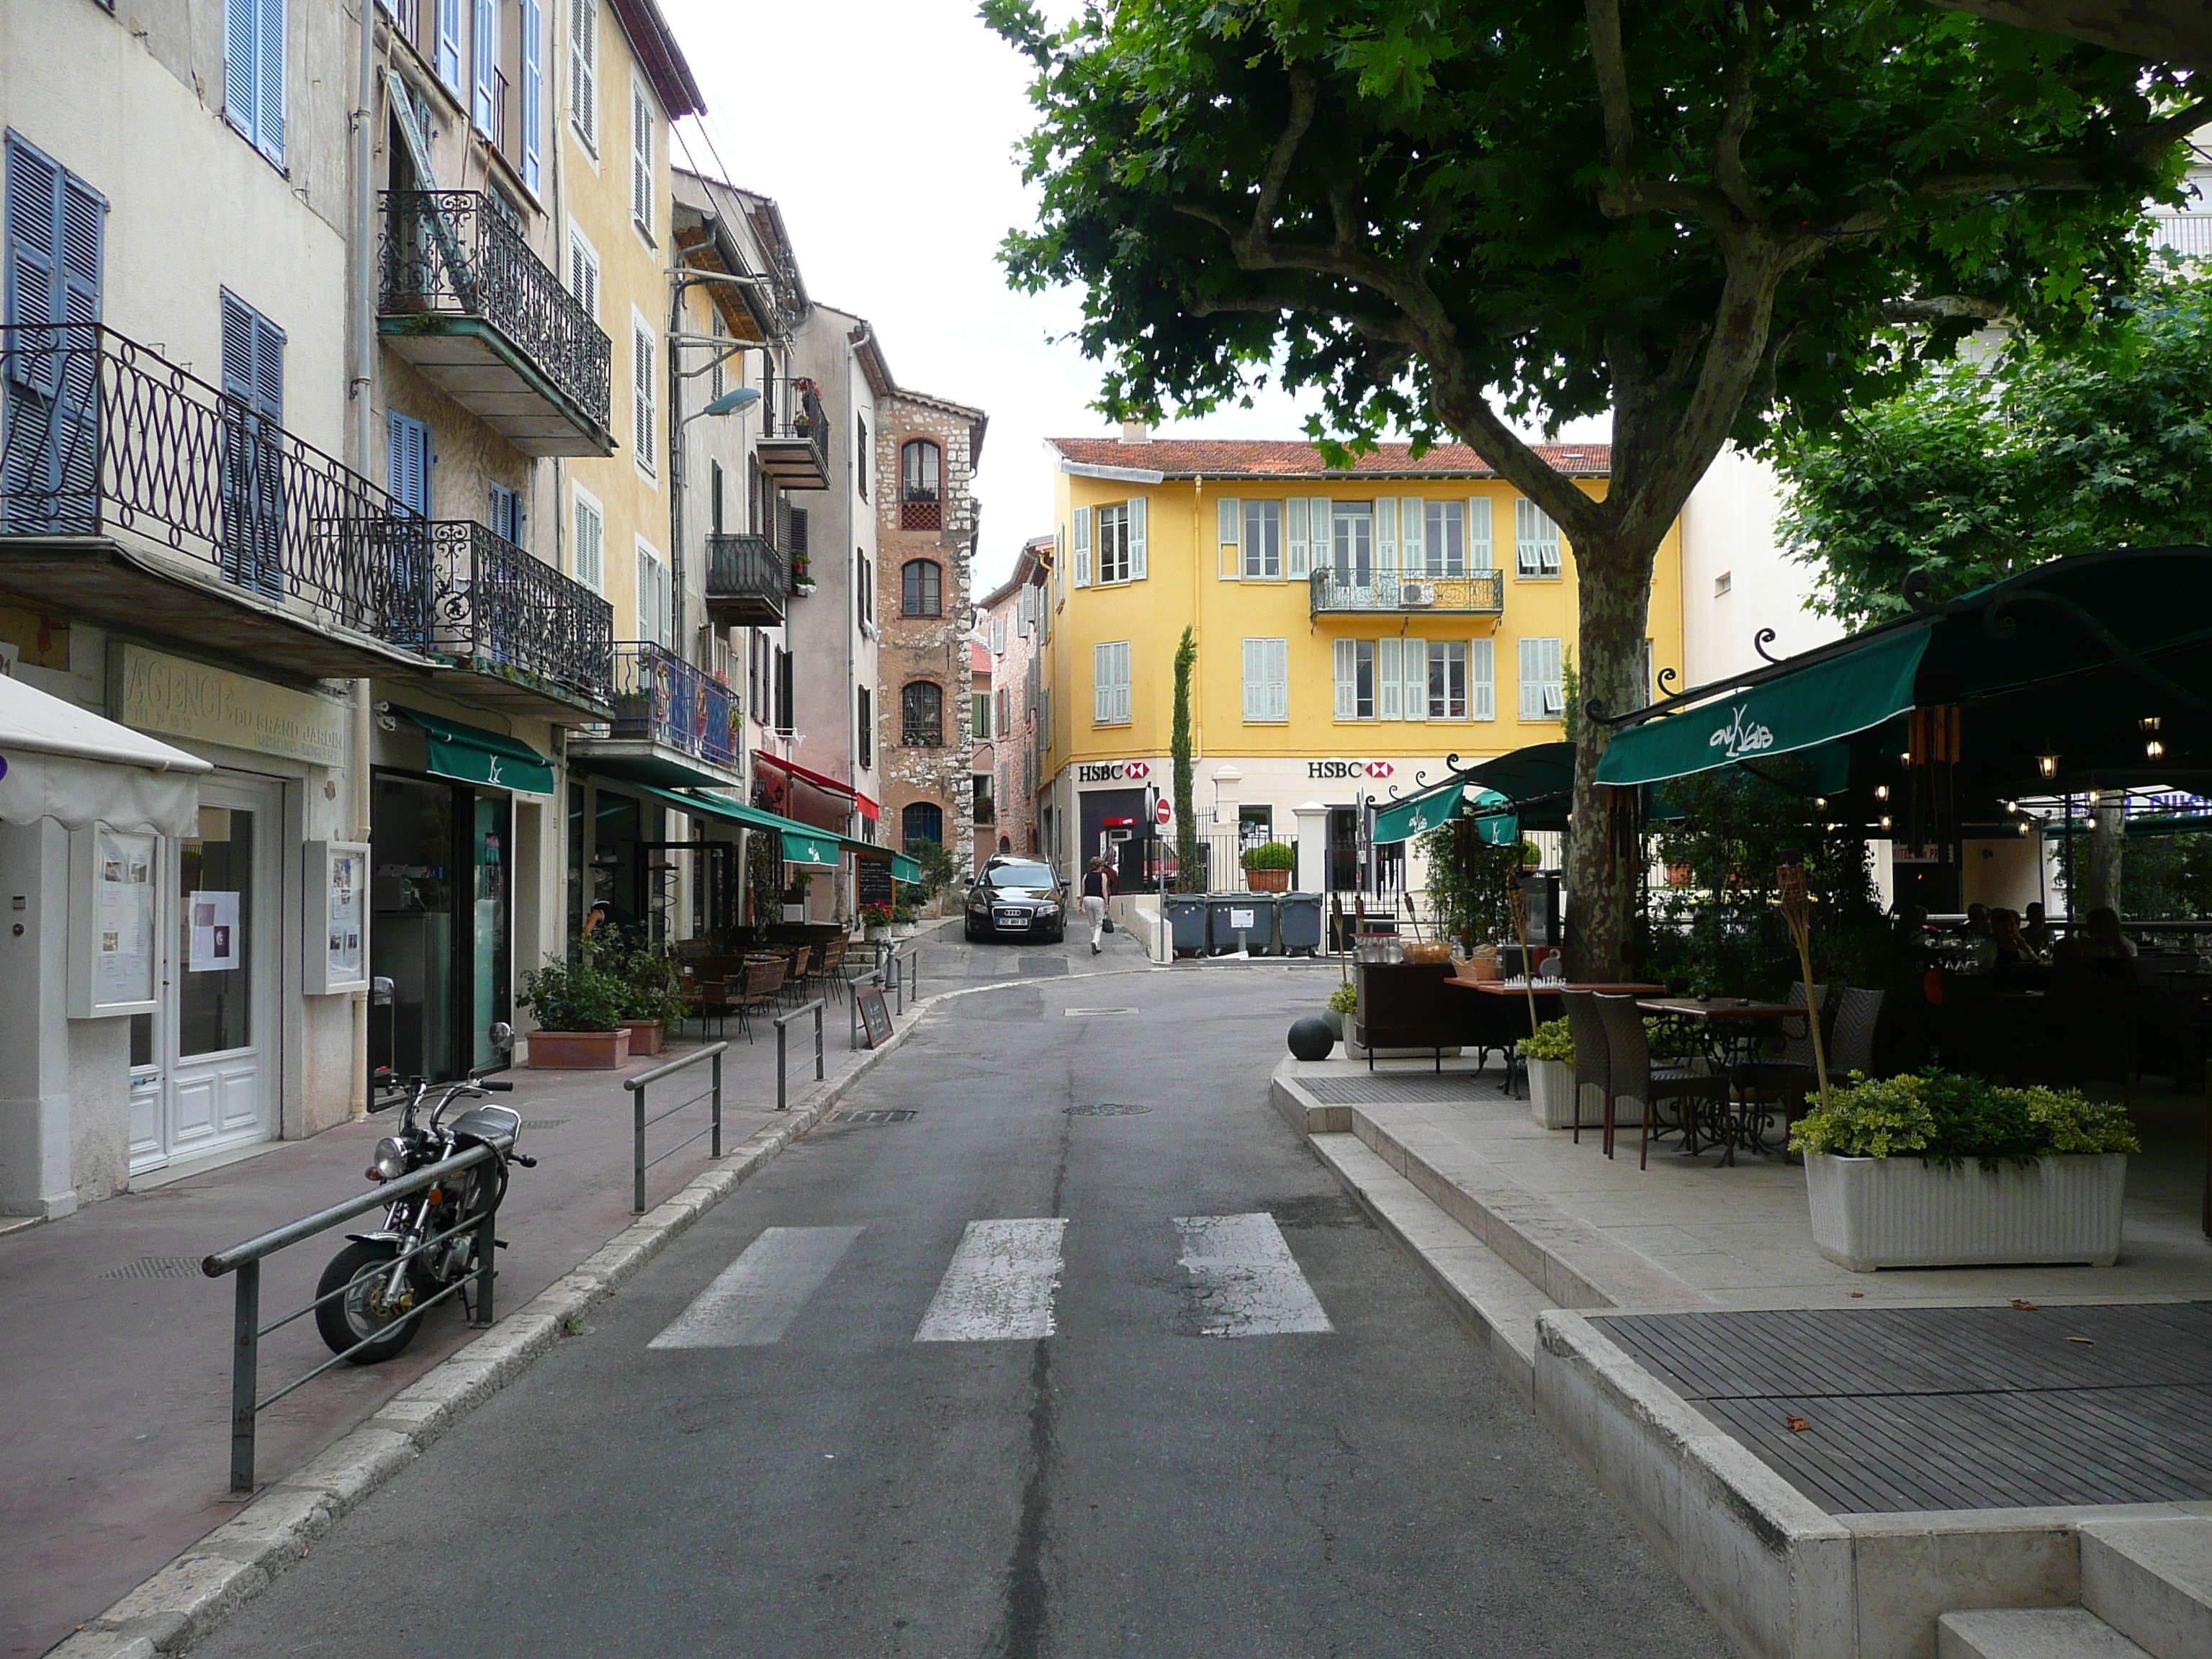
(1943, 308)
(1610, 66)
(1735, 122)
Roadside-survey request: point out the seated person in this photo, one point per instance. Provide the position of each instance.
(2103, 938)
(2006, 938)
(2039, 932)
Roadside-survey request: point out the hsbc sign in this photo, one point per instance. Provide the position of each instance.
(1326, 769)
(1134, 771)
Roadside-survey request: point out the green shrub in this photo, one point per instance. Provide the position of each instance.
(1271, 855)
(1866, 1119)
(1947, 1118)
(1345, 999)
(2072, 1122)
(580, 996)
(1553, 1040)
(651, 985)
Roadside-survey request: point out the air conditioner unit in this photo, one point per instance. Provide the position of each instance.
(1414, 594)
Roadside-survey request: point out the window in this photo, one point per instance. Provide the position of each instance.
(533, 93)
(1481, 680)
(1263, 540)
(921, 714)
(643, 401)
(1266, 680)
(1722, 583)
(1447, 689)
(1113, 543)
(864, 586)
(253, 447)
(921, 485)
(583, 273)
(409, 478)
(1355, 679)
(584, 71)
(1110, 684)
(49, 273)
(1004, 724)
(986, 806)
(506, 513)
(783, 690)
(794, 531)
(1537, 539)
(998, 636)
(1255, 825)
(921, 584)
(590, 543)
(253, 70)
(653, 622)
(1444, 539)
(1542, 695)
(979, 714)
(921, 821)
(860, 453)
(1352, 542)
(641, 160)
(867, 724)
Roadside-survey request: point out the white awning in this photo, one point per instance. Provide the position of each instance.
(67, 763)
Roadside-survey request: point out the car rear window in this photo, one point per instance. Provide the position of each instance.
(1021, 875)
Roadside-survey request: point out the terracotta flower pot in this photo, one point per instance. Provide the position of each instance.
(645, 1036)
(574, 1051)
(1267, 881)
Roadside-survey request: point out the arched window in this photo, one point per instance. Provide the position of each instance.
(921, 485)
(922, 587)
(921, 714)
(921, 821)
(1005, 843)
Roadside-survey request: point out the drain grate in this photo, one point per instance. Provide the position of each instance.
(156, 1267)
(1096, 1013)
(542, 1122)
(1108, 1109)
(872, 1118)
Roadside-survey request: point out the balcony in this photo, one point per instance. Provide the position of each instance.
(794, 442)
(1389, 593)
(673, 724)
(537, 642)
(478, 313)
(748, 580)
(135, 496)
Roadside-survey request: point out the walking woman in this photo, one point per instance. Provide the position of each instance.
(1097, 888)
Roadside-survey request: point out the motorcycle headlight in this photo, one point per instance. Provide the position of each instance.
(391, 1158)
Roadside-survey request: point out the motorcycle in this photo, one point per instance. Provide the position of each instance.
(372, 1293)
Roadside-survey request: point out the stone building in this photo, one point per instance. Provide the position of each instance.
(1010, 624)
(926, 452)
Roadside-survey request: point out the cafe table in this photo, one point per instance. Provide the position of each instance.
(1500, 1029)
(1726, 1030)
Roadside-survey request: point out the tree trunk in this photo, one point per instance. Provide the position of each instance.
(2101, 887)
(1605, 852)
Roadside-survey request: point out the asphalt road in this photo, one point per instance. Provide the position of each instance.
(1224, 1448)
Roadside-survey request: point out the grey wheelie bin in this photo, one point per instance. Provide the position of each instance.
(1299, 926)
(1257, 910)
(1186, 923)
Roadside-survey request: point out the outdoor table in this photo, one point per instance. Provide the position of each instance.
(1726, 1029)
(1548, 1007)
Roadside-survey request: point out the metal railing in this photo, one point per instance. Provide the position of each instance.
(100, 434)
(712, 1094)
(782, 1088)
(491, 603)
(450, 252)
(660, 696)
(747, 566)
(1357, 592)
(795, 413)
(245, 1260)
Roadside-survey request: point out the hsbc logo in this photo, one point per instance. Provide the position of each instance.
(1134, 771)
(1324, 770)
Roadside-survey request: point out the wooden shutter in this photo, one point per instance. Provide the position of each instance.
(411, 462)
(1417, 679)
(1413, 531)
(1276, 675)
(484, 65)
(1482, 680)
(640, 159)
(1229, 528)
(641, 398)
(1083, 547)
(268, 82)
(1532, 701)
(1478, 555)
(1389, 679)
(35, 234)
(1298, 549)
(241, 66)
(584, 68)
(1255, 679)
(449, 43)
(1347, 680)
(584, 276)
(1386, 535)
(533, 93)
(1136, 560)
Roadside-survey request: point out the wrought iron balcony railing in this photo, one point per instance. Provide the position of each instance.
(100, 434)
(1365, 593)
(794, 441)
(451, 253)
(660, 697)
(492, 605)
(747, 579)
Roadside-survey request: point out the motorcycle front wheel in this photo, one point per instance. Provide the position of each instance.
(362, 1271)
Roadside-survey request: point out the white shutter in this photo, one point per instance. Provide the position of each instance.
(1389, 676)
(1321, 513)
(1297, 551)
(1386, 535)
(1478, 555)
(1255, 676)
(1554, 689)
(1277, 665)
(1532, 699)
(1347, 680)
(584, 68)
(1136, 561)
(1417, 679)
(1413, 530)
(1083, 547)
(1482, 680)
(643, 437)
(1102, 683)
(640, 159)
(1121, 682)
(1229, 520)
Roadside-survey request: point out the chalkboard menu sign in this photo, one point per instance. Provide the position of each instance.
(874, 1016)
(872, 881)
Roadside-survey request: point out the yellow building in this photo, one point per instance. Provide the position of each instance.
(1353, 629)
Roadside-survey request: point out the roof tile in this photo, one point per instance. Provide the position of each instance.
(1270, 458)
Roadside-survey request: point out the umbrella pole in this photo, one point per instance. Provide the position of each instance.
(1794, 911)
(1520, 906)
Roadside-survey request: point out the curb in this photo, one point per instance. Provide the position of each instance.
(212, 1578)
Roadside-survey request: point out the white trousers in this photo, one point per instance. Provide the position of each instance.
(1094, 910)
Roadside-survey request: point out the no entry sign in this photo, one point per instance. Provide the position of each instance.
(1165, 810)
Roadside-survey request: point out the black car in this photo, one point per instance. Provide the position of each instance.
(1016, 898)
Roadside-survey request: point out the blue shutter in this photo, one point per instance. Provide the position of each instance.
(410, 464)
(241, 63)
(533, 89)
(252, 448)
(449, 42)
(484, 62)
(50, 274)
(268, 82)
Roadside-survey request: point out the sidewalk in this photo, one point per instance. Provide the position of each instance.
(117, 1384)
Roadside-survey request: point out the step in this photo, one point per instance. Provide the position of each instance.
(2031, 1633)
(2153, 1580)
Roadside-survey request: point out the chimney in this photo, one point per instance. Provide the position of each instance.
(1136, 432)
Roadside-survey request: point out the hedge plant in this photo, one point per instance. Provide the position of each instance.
(1947, 1117)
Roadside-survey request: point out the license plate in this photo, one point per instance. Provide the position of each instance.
(1014, 919)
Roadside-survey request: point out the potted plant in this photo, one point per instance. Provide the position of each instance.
(1267, 867)
(902, 922)
(579, 1009)
(802, 578)
(875, 922)
(1549, 1051)
(1938, 1169)
(1343, 1003)
(652, 996)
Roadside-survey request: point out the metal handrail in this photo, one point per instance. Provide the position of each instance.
(782, 1102)
(637, 1086)
(245, 1260)
(660, 696)
(1477, 593)
(489, 602)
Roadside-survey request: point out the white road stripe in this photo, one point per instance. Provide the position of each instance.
(1248, 1283)
(753, 1301)
(999, 1286)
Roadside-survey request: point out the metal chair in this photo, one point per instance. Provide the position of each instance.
(763, 988)
(829, 971)
(1788, 1079)
(1593, 1059)
(1629, 1062)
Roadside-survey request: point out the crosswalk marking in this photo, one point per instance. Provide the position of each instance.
(999, 1286)
(1248, 1283)
(753, 1301)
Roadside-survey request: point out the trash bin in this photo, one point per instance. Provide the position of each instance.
(1254, 912)
(1186, 924)
(1299, 926)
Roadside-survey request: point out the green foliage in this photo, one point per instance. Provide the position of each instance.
(652, 981)
(1469, 881)
(937, 870)
(875, 916)
(1345, 1000)
(1981, 471)
(1553, 1040)
(2162, 878)
(902, 915)
(1947, 1118)
(580, 996)
(1190, 871)
(1271, 855)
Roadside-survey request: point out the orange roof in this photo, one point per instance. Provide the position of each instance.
(979, 657)
(1273, 458)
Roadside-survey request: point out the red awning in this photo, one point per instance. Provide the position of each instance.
(815, 778)
(869, 810)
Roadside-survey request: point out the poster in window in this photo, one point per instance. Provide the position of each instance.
(335, 941)
(113, 940)
(215, 936)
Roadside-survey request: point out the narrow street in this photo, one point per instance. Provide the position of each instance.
(827, 1422)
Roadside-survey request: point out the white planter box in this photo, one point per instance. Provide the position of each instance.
(1871, 1212)
(1551, 1093)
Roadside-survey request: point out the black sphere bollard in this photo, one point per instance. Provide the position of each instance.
(1311, 1039)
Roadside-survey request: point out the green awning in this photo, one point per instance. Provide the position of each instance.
(654, 771)
(468, 753)
(802, 843)
(1829, 699)
(905, 869)
(1417, 814)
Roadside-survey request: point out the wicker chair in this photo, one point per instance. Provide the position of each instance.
(1593, 1058)
(1785, 1081)
(1631, 1073)
(830, 970)
(762, 988)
